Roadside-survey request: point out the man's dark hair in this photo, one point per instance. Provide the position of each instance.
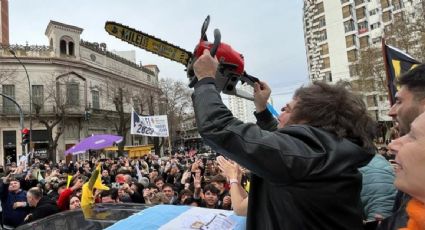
(113, 193)
(190, 201)
(212, 189)
(152, 185)
(336, 110)
(219, 179)
(168, 185)
(186, 192)
(414, 80)
(36, 193)
(158, 179)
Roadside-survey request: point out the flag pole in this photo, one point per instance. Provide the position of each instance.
(387, 71)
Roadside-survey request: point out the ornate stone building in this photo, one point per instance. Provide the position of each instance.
(75, 84)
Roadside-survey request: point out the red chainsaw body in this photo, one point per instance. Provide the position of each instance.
(225, 54)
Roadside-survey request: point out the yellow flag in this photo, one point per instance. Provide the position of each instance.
(87, 197)
(68, 181)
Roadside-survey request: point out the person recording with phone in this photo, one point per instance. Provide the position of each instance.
(305, 170)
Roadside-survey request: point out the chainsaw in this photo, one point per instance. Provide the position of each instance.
(230, 70)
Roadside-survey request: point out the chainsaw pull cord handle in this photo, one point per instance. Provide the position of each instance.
(213, 51)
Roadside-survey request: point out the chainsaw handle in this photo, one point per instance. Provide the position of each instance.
(204, 29)
(213, 52)
(217, 41)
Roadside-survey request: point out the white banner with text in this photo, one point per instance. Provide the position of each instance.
(154, 126)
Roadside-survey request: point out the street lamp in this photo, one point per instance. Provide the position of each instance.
(30, 94)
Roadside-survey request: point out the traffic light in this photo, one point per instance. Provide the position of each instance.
(25, 136)
(87, 115)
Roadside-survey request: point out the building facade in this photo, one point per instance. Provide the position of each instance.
(336, 31)
(241, 108)
(77, 87)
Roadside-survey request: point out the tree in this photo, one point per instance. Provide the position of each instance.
(176, 96)
(54, 117)
(418, 27)
(401, 33)
(124, 98)
(120, 119)
(369, 71)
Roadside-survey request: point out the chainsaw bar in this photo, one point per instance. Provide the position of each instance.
(148, 42)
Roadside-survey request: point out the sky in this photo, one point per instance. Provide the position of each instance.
(268, 33)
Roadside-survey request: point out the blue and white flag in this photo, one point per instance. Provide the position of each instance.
(168, 217)
(154, 126)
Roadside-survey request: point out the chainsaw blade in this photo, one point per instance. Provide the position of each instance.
(148, 42)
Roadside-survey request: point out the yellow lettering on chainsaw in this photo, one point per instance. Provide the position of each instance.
(148, 43)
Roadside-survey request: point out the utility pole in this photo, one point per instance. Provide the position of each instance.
(30, 95)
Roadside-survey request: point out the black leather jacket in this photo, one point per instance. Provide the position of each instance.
(304, 177)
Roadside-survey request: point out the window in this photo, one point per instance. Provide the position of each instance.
(376, 40)
(63, 47)
(397, 4)
(322, 21)
(349, 26)
(326, 63)
(373, 12)
(67, 46)
(352, 55)
(37, 95)
(371, 101)
(324, 49)
(358, 2)
(388, 29)
(375, 26)
(72, 94)
(328, 76)
(320, 8)
(386, 16)
(8, 105)
(346, 11)
(71, 48)
(95, 99)
(321, 36)
(364, 42)
(350, 41)
(353, 70)
(363, 27)
(361, 13)
(385, 3)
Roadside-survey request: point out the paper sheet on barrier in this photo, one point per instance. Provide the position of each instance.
(201, 218)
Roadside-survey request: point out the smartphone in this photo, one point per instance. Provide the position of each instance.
(370, 225)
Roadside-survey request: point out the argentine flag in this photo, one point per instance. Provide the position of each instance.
(167, 217)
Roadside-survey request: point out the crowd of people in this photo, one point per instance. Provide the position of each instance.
(181, 178)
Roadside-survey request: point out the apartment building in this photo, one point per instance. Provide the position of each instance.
(241, 108)
(336, 31)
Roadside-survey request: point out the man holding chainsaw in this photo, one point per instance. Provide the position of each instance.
(304, 174)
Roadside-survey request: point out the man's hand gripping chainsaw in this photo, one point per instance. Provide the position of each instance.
(231, 63)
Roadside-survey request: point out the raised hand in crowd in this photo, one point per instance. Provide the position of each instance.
(185, 177)
(230, 169)
(239, 197)
(197, 179)
(77, 185)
